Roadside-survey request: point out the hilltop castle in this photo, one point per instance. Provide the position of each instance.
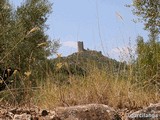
(81, 47)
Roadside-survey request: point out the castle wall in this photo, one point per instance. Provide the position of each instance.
(80, 46)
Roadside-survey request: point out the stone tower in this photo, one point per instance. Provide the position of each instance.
(80, 46)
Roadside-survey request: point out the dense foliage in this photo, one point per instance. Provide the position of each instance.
(148, 51)
(23, 41)
(148, 11)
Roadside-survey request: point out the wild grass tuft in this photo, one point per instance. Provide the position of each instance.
(97, 87)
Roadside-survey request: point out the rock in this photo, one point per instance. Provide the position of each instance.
(149, 113)
(23, 116)
(86, 112)
(44, 113)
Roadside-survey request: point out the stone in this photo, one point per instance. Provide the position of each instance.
(86, 112)
(151, 112)
(23, 116)
(44, 113)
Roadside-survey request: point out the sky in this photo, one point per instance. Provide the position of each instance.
(102, 25)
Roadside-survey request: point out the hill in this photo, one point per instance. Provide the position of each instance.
(81, 63)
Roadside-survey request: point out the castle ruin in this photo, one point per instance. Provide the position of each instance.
(80, 46)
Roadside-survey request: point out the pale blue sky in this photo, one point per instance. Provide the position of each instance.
(103, 25)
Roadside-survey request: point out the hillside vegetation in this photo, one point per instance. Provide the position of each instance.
(81, 64)
(80, 78)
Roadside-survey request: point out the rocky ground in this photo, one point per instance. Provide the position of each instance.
(81, 112)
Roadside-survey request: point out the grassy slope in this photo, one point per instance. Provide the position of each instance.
(106, 81)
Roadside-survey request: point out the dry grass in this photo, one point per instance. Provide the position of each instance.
(98, 87)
